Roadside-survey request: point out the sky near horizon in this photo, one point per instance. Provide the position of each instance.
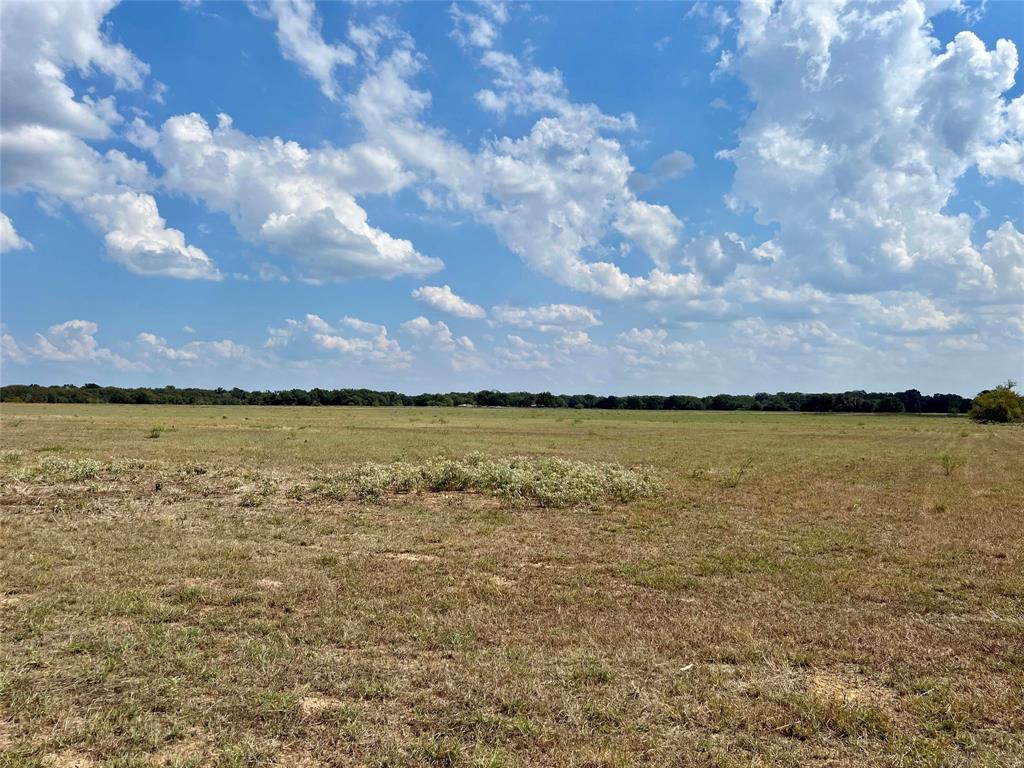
(610, 197)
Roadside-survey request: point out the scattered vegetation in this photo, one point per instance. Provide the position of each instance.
(516, 480)
(225, 598)
(55, 468)
(546, 482)
(158, 430)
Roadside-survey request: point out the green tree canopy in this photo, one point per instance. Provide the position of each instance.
(1001, 405)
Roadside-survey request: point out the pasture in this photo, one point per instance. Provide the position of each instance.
(193, 586)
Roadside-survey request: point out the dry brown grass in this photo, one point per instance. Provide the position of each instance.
(805, 591)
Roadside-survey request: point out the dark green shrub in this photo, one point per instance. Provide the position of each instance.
(1001, 405)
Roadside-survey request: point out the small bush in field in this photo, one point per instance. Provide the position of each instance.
(950, 463)
(370, 482)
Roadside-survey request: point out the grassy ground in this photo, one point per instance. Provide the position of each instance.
(805, 590)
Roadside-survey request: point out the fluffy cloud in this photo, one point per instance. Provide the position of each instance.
(377, 349)
(860, 133)
(75, 342)
(1005, 158)
(10, 240)
(11, 351)
(298, 34)
(1004, 254)
(479, 27)
(553, 196)
(550, 317)
(971, 342)
(443, 299)
(41, 41)
(371, 344)
(910, 314)
(522, 355)
(667, 167)
(673, 165)
(806, 337)
(716, 258)
(651, 348)
(296, 202)
(573, 342)
(279, 337)
(44, 128)
(137, 238)
(439, 332)
(568, 348)
(194, 351)
(460, 350)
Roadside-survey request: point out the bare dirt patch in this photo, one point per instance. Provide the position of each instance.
(314, 705)
(848, 688)
(409, 557)
(12, 600)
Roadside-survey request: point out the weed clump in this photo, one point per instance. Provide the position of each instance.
(950, 463)
(518, 480)
(119, 467)
(191, 469)
(11, 457)
(262, 489)
(55, 469)
(69, 470)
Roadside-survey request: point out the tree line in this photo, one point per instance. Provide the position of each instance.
(855, 401)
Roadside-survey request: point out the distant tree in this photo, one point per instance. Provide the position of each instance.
(142, 397)
(821, 402)
(889, 404)
(999, 405)
(912, 400)
(546, 400)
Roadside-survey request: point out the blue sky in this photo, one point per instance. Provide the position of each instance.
(655, 197)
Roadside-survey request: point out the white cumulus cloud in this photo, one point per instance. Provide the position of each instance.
(10, 240)
(550, 317)
(860, 133)
(75, 341)
(297, 202)
(444, 299)
(299, 35)
(45, 126)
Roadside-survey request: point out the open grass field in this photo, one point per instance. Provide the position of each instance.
(191, 586)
